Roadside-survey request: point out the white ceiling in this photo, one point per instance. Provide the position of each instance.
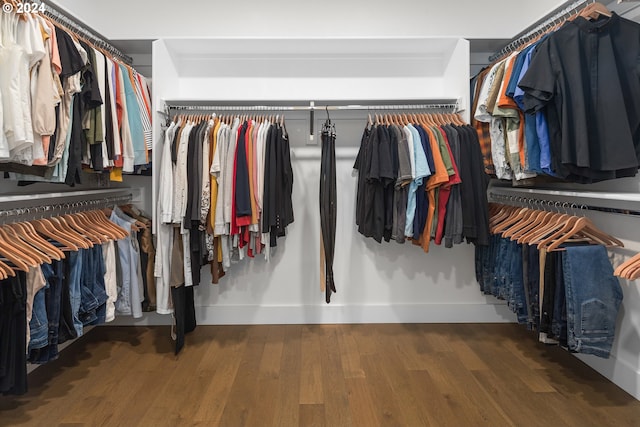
(489, 24)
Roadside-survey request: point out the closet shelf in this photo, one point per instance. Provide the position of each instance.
(602, 199)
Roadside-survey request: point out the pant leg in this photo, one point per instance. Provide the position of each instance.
(75, 287)
(66, 330)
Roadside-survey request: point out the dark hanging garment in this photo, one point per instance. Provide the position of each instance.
(328, 205)
(184, 313)
(13, 335)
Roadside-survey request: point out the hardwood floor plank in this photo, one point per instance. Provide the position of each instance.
(385, 401)
(225, 357)
(312, 415)
(243, 396)
(349, 375)
(311, 366)
(336, 394)
(361, 403)
(349, 354)
(270, 364)
(287, 411)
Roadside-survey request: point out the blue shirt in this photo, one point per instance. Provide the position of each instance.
(422, 171)
(134, 119)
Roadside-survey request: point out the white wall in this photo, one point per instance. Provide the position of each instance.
(126, 19)
(438, 280)
(376, 283)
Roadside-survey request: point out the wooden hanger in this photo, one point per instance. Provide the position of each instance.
(627, 269)
(81, 240)
(88, 229)
(516, 216)
(29, 235)
(581, 227)
(103, 218)
(23, 248)
(537, 221)
(594, 11)
(6, 270)
(9, 254)
(503, 214)
(524, 222)
(13, 252)
(47, 229)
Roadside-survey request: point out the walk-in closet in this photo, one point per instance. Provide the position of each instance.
(353, 213)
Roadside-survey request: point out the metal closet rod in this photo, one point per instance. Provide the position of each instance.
(45, 211)
(445, 106)
(81, 29)
(540, 27)
(535, 203)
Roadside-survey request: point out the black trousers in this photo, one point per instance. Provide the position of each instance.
(328, 208)
(13, 335)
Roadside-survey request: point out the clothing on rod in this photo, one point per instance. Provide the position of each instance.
(55, 281)
(421, 179)
(224, 195)
(67, 106)
(328, 209)
(542, 111)
(559, 282)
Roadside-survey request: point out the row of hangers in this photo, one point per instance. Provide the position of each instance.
(591, 12)
(545, 229)
(228, 118)
(31, 243)
(430, 119)
(630, 269)
(105, 48)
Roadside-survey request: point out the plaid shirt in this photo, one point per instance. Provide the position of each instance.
(483, 128)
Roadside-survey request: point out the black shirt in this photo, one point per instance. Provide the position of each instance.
(586, 77)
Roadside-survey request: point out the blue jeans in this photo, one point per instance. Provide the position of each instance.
(559, 318)
(75, 287)
(39, 324)
(516, 298)
(93, 300)
(534, 287)
(54, 275)
(593, 296)
(502, 269)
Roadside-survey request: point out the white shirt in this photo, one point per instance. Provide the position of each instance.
(180, 184)
(165, 183)
(218, 171)
(110, 279)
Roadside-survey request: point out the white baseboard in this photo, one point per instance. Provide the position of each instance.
(336, 314)
(618, 371)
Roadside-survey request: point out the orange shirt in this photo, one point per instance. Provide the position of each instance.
(505, 101)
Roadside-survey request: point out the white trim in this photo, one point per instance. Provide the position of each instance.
(616, 370)
(335, 314)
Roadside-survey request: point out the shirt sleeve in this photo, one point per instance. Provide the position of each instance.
(539, 81)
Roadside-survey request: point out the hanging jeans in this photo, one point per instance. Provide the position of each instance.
(54, 274)
(593, 296)
(328, 209)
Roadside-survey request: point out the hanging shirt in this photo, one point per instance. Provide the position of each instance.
(585, 75)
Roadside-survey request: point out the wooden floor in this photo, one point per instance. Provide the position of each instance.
(346, 375)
